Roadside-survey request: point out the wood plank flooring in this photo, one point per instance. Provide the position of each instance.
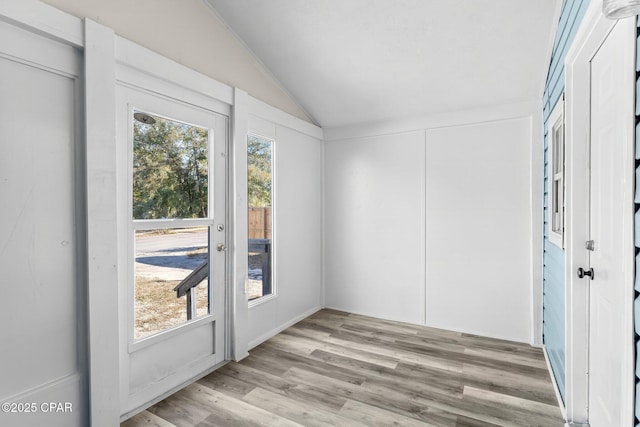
(341, 369)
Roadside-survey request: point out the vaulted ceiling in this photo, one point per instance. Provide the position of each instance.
(355, 61)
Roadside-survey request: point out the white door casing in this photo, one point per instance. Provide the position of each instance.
(599, 313)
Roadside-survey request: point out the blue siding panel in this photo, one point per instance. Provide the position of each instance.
(554, 316)
(554, 256)
(570, 26)
(554, 263)
(560, 43)
(555, 296)
(554, 311)
(554, 274)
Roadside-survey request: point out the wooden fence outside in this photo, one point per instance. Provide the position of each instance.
(260, 223)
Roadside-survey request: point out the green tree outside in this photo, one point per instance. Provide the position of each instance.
(170, 170)
(259, 179)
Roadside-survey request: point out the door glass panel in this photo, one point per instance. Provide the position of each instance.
(260, 198)
(170, 168)
(169, 263)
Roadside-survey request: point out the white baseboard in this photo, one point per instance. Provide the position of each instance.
(563, 409)
(262, 338)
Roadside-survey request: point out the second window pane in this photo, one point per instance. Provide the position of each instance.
(168, 264)
(260, 196)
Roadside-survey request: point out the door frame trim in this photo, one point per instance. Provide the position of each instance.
(102, 227)
(592, 33)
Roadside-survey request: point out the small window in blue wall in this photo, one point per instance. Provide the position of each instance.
(555, 172)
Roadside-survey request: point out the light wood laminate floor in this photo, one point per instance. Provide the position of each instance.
(341, 369)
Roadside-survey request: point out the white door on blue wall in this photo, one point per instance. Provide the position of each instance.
(609, 292)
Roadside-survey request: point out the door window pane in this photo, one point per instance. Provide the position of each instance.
(168, 264)
(260, 198)
(170, 168)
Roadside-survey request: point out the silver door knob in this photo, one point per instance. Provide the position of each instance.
(221, 247)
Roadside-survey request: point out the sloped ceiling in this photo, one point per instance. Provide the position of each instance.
(355, 61)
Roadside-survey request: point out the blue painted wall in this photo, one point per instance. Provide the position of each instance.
(554, 286)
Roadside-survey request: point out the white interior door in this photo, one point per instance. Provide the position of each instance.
(610, 292)
(173, 169)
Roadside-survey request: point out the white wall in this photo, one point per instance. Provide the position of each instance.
(433, 226)
(374, 204)
(190, 33)
(297, 232)
(478, 221)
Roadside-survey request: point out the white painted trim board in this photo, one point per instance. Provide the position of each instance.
(278, 117)
(102, 226)
(45, 20)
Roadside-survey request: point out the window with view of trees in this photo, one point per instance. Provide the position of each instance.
(171, 177)
(170, 182)
(260, 201)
